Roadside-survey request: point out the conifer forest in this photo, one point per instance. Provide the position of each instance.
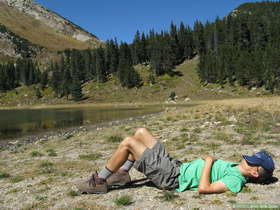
(242, 48)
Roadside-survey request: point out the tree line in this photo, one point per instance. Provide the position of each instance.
(22, 72)
(242, 48)
(163, 51)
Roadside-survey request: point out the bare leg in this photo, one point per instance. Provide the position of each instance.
(145, 137)
(129, 148)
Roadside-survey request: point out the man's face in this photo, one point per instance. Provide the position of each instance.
(253, 170)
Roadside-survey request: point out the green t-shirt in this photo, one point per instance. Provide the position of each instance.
(221, 170)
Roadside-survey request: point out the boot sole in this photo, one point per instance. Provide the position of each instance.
(93, 192)
(121, 184)
(118, 184)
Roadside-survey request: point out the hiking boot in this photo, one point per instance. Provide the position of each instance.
(119, 178)
(94, 185)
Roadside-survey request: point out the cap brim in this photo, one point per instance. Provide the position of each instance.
(253, 160)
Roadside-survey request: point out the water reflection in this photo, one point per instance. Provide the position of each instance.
(17, 123)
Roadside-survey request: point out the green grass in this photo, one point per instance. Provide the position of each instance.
(46, 164)
(73, 193)
(4, 175)
(232, 201)
(168, 196)
(94, 156)
(212, 146)
(230, 194)
(14, 190)
(51, 153)
(216, 202)
(115, 139)
(47, 167)
(246, 190)
(123, 200)
(36, 154)
(222, 135)
(67, 137)
(16, 179)
(184, 130)
(254, 198)
(197, 196)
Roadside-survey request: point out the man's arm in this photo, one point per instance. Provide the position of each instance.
(205, 186)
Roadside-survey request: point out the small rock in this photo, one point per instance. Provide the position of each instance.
(232, 119)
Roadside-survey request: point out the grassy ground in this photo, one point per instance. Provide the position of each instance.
(42, 175)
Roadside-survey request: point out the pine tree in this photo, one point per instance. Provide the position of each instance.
(44, 80)
(100, 65)
(55, 78)
(126, 73)
(76, 88)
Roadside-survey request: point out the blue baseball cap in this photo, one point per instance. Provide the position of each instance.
(262, 159)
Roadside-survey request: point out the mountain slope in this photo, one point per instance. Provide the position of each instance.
(43, 27)
(12, 45)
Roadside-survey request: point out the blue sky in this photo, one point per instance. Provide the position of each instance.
(122, 18)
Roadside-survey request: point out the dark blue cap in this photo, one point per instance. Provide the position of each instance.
(262, 159)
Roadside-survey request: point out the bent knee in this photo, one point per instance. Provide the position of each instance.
(127, 141)
(141, 131)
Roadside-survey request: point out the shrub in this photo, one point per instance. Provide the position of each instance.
(168, 196)
(52, 153)
(46, 164)
(123, 200)
(114, 139)
(36, 154)
(4, 175)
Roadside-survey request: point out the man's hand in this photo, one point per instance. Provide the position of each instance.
(205, 185)
(210, 158)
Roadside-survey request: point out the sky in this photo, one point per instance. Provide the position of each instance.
(109, 19)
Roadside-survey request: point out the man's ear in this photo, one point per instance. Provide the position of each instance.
(255, 174)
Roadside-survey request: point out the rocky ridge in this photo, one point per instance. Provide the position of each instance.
(6, 46)
(52, 19)
(12, 45)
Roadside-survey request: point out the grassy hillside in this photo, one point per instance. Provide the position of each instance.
(33, 30)
(186, 87)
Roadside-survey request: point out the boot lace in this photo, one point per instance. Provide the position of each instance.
(92, 181)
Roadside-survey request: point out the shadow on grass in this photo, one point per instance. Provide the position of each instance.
(133, 184)
(272, 180)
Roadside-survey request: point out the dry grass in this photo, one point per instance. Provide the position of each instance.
(36, 32)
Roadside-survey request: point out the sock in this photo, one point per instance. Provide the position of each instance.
(104, 173)
(127, 165)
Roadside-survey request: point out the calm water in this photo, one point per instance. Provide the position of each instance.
(18, 123)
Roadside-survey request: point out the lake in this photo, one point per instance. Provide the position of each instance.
(18, 123)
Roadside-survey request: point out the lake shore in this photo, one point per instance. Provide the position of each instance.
(13, 143)
(42, 174)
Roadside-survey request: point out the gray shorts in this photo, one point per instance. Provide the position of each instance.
(159, 168)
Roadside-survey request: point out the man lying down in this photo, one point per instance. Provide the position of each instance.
(206, 175)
